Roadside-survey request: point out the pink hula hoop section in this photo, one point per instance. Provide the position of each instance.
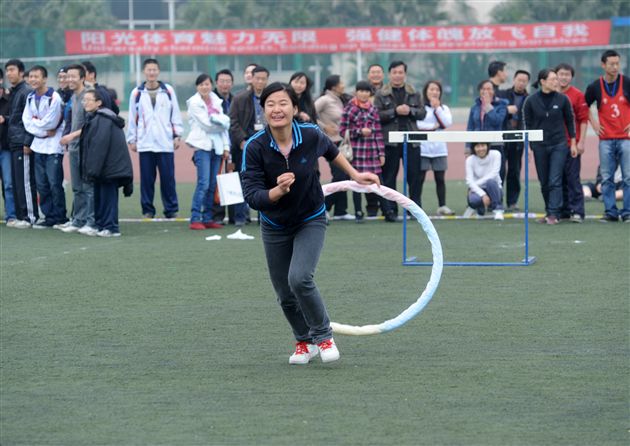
(436, 249)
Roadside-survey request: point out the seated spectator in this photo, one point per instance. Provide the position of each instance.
(484, 182)
(594, 190)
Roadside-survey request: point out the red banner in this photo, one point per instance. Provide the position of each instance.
(333, 40)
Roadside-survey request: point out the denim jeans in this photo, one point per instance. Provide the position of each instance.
(393, 158)
(83, 202)
(550, 162)
(208, 164)
(7, 185)
(292, 257)
(495, 194)
(612, 153)
(49, 180)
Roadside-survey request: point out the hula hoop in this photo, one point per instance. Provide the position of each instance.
(436, 248)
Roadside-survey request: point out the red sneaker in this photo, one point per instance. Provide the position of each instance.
(197, 226)
(212, 225)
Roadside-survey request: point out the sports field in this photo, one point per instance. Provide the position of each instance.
(160, 337)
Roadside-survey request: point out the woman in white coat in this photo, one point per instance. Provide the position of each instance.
(209, 139)
(433, 155)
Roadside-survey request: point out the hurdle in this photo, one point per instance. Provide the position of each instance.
(524, 136)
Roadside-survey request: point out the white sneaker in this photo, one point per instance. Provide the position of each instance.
(21, 224)
(469, 212)
(343, 217)
(304, 352)
(11, 223)
(445, 210)
(498, 214)
(60, 226)
(69, 229)
(107, 233)
(88, 230)
(328, 350)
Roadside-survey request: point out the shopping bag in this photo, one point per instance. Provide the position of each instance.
(230, 190)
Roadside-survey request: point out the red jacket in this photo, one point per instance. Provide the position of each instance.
(580, 110)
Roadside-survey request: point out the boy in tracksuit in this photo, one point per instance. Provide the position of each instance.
(155, 127)
(43, 119)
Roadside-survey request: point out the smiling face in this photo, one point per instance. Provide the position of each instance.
(279, 110)
(398, 76)
(363, 95)
(73, 79)
(376, 75)
(481, 149)
(564, 78)
(433, 91)
(36, 80)
(205, 88)
(61, 80)
(90, 104)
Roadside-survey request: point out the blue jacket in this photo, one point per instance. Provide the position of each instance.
(492, 121)
(263, 163)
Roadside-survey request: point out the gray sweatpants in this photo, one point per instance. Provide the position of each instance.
(292, 256)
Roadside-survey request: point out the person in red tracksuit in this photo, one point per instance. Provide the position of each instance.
(573, 196)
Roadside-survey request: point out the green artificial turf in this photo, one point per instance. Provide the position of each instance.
(160, 337)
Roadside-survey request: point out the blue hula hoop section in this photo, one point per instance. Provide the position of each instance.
(436, 249)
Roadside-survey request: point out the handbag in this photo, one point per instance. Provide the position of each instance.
(230, 191)
(346, 147)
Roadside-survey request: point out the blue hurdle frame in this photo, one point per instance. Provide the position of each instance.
(527, 259)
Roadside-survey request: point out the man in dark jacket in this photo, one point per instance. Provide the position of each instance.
(399, 106)
(223, 80)
(22, 165)
(514, 150)
(246, 119)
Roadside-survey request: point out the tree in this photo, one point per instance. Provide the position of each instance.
(524, 11)
(20, 19)
(311, 13)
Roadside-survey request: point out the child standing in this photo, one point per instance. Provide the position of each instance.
(360, 118)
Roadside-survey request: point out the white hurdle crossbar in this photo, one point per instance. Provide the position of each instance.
(524, 136)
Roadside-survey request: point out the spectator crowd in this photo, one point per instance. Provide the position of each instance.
(80, 119)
